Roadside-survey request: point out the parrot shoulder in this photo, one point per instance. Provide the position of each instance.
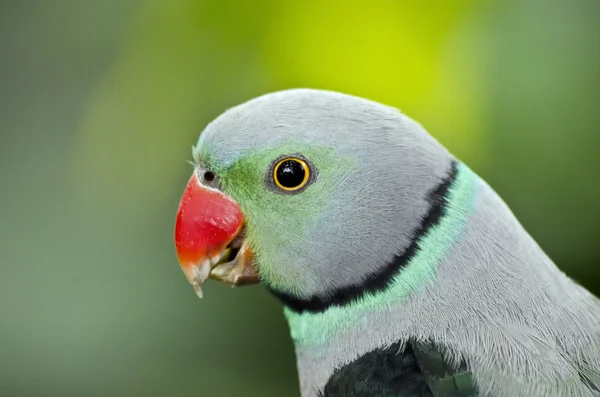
(590, 377)
(412, 369)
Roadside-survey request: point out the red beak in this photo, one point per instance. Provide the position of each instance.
(207, 222)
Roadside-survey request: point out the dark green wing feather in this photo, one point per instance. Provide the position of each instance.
(590, 378)
(445, 379)
(414, 370)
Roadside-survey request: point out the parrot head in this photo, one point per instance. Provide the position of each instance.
(311, 192)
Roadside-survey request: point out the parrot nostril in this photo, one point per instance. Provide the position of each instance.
(209, 176)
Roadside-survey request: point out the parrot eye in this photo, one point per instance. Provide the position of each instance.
(291, 174)
(209, 176)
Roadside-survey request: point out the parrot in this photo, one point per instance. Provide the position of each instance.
(401, 272)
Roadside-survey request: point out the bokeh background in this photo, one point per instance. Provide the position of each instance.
(101, 101)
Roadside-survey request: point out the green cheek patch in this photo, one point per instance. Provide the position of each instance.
(278, 221)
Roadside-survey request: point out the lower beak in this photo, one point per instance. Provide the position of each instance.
(209, 238)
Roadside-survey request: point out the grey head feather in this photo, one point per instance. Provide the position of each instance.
(374, 207)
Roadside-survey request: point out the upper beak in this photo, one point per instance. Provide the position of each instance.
(209, 232)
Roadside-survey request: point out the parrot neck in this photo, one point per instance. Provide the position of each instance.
(318, 327)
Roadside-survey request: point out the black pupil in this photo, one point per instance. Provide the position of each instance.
(209, 176)
(290, 173)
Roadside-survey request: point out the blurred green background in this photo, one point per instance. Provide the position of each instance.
(100, 102)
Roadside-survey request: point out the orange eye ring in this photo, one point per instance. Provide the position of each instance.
(291, 174)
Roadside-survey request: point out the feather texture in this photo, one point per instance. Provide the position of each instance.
(415, 369)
